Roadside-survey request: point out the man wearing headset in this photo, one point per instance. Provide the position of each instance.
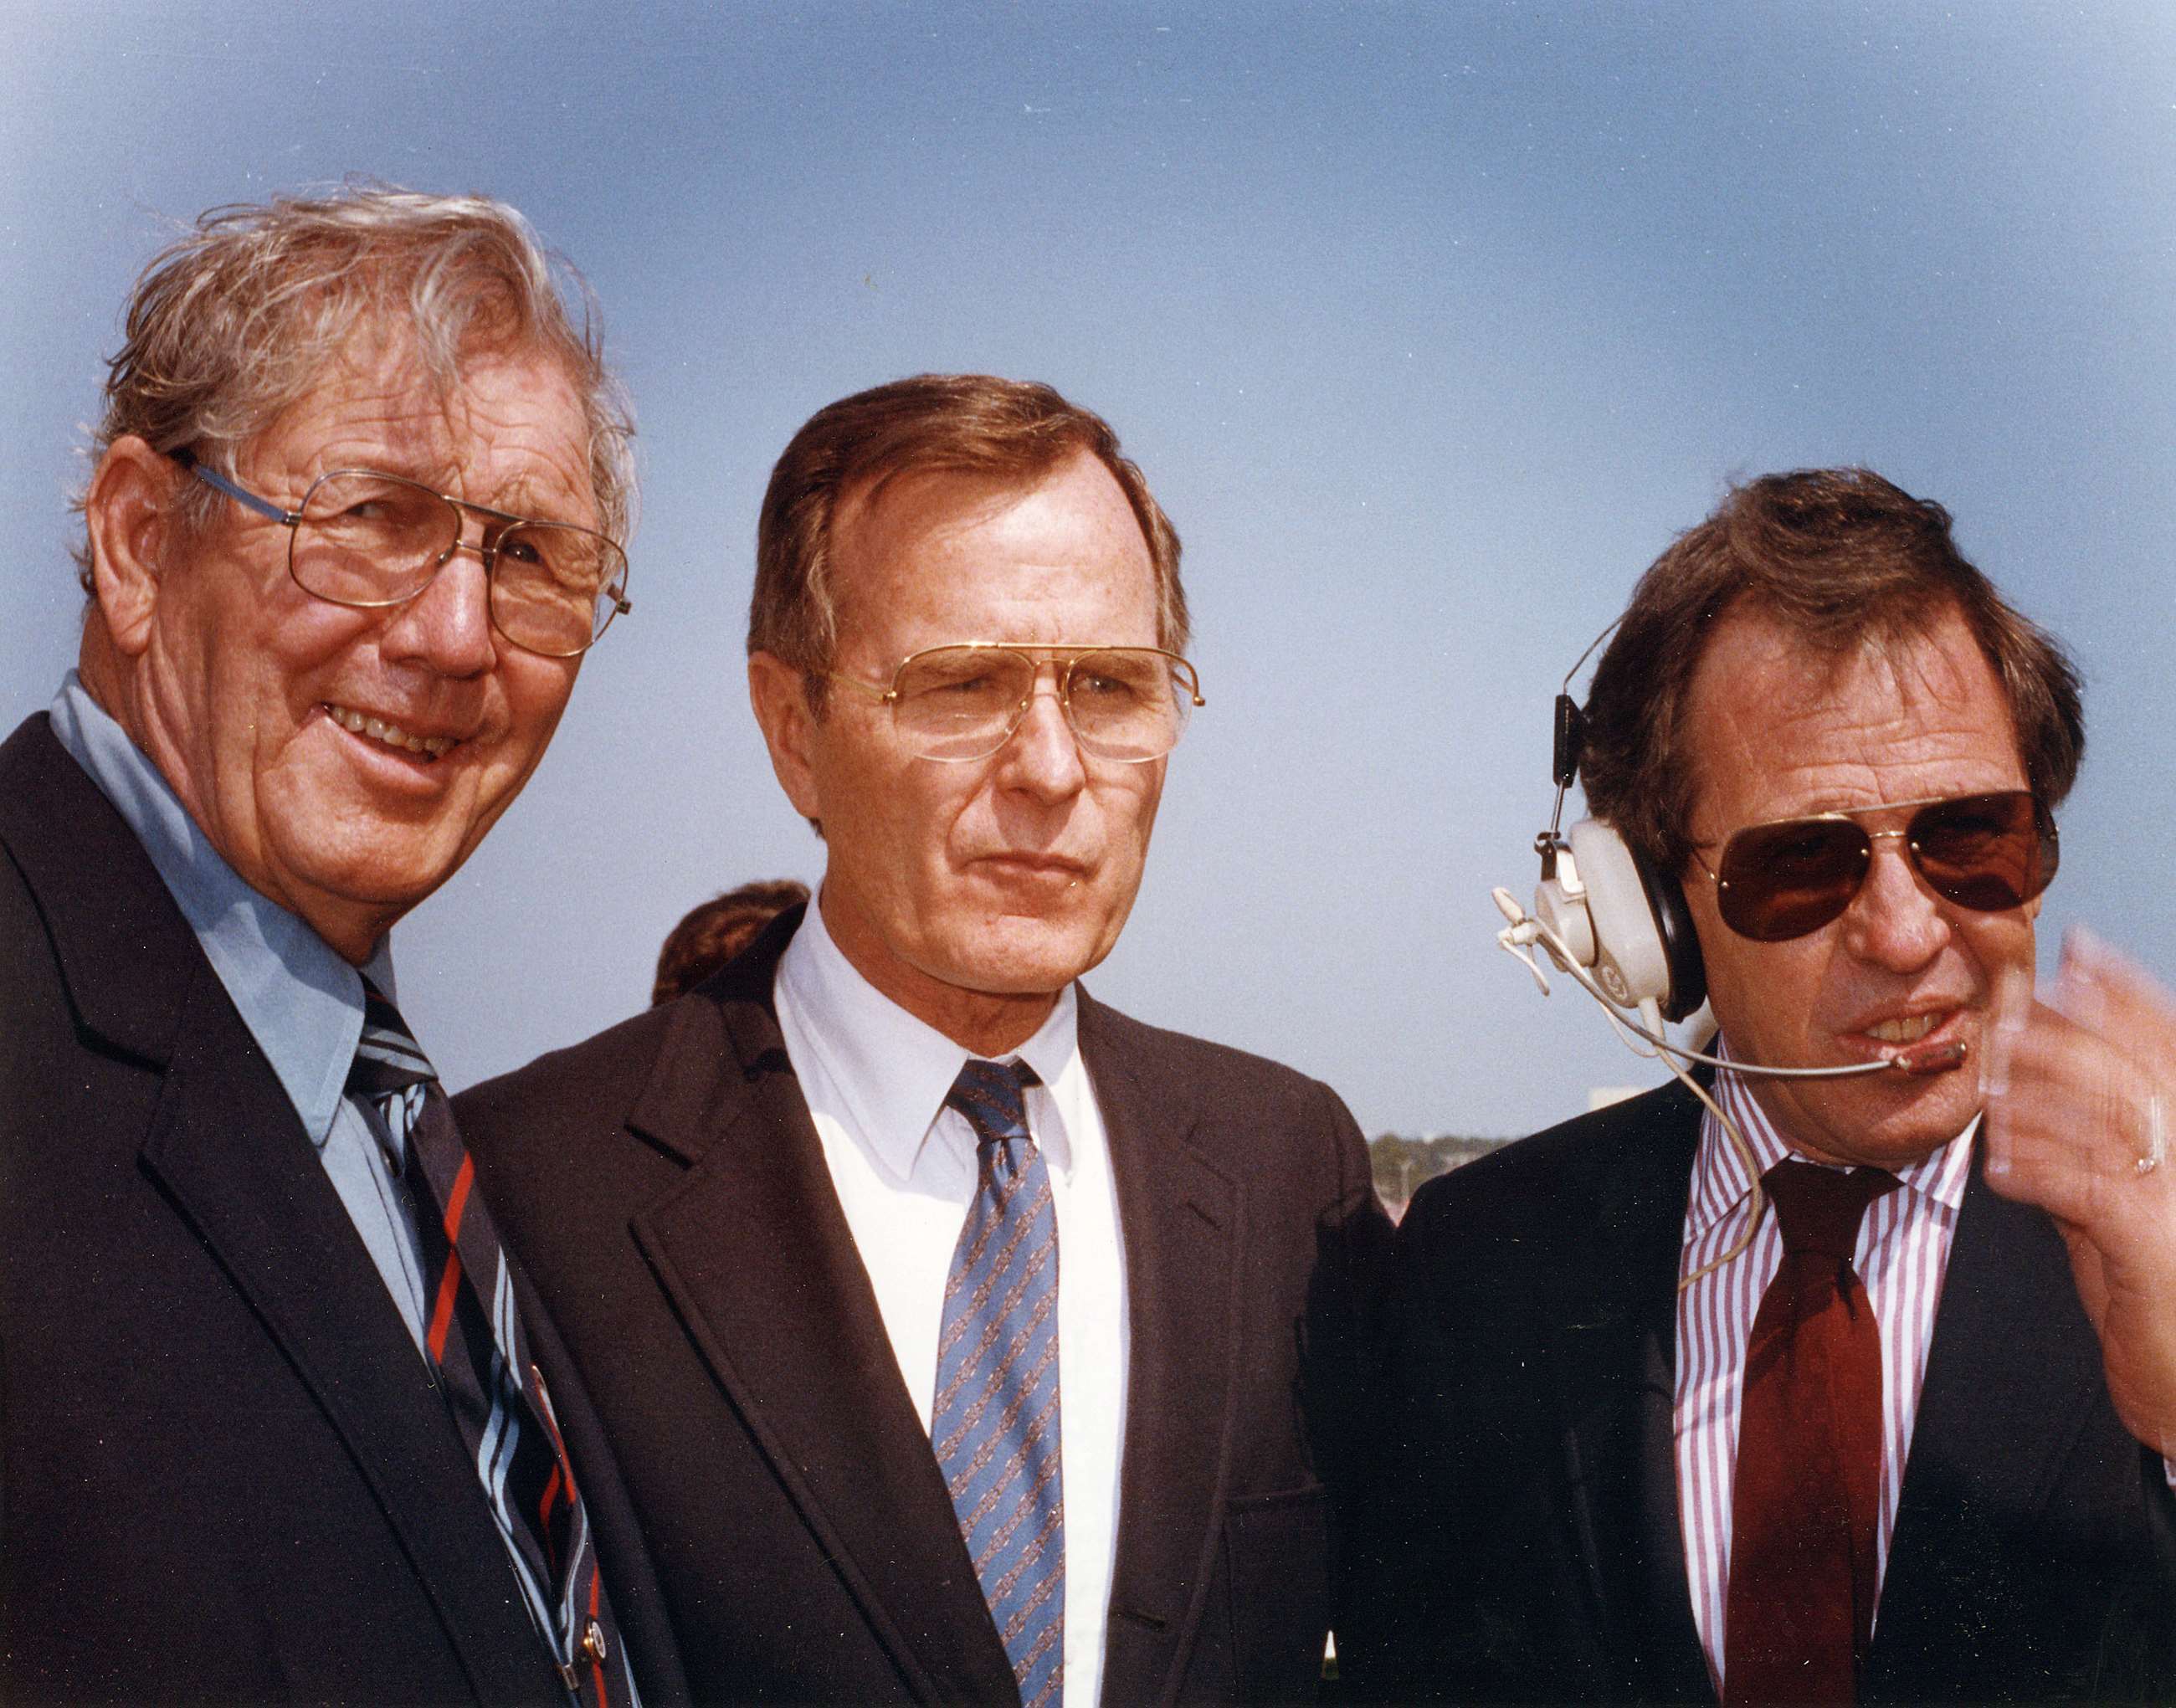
(1760, 1389)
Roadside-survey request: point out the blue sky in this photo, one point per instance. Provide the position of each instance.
(1431, 323)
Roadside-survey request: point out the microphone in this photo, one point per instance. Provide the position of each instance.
(1523, 930)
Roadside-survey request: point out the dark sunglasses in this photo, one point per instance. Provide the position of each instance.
(1986, 852)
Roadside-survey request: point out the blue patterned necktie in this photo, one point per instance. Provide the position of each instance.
(474, 1342)
(995, 1421)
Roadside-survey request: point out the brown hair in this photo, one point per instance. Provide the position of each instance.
(1836, 557)
(716, 931)
(236, 321)
(963, 423)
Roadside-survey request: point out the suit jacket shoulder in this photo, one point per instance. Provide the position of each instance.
(665, 1182)
(224, 1470)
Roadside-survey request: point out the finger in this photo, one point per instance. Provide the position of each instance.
(2104, 989)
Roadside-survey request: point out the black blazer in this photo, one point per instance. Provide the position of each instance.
(224, 1474)
(665, 1184)
(1524, 1543)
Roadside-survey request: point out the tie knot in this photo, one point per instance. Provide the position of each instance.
(992, 1096)
(387, 1057)
(1819, 1210)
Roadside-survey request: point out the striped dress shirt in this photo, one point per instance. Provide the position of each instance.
(1903, 1249)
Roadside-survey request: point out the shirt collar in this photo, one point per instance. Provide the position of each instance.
(301, 1001)
(892, 1071)
(1719, 1182)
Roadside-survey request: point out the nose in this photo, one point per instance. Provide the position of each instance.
(1041, 757)
(1895, 921)
(448, 625)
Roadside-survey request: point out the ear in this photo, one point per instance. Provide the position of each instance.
(777, 692)
(130, 518)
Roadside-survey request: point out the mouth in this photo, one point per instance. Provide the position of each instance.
(1042, 869)
(1904, 1031)
(430, 749)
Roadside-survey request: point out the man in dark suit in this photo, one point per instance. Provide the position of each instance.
(279, 1422)
(1648, 1443)
(876, 1462)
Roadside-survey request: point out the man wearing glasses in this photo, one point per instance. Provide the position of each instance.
(961, 1339)
(280, 1421)
(1761, 1390)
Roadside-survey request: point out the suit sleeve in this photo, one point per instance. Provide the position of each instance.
(1342, 1367)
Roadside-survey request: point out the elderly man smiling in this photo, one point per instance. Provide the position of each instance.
(281, 1422)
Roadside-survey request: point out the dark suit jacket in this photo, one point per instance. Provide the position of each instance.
(1525, 1545)
(666, 1186)
(224, 1475)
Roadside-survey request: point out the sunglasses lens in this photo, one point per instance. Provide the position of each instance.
(1987, 853)
(1781, 881)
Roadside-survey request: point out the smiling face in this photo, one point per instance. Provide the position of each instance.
(970, 893)
(247, 692)
(1781, 732)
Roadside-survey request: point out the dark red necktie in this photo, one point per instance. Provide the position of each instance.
(1807, 1497)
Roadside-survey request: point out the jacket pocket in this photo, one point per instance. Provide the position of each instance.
(1276, 1562)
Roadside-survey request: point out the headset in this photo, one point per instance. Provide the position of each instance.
(1619, 926)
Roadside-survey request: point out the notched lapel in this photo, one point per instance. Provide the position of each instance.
(757, 1259)
(2013, 1377)
(231, 1152)
(1184, 1223)
(1615, 1377)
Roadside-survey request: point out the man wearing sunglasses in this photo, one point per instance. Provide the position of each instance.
(1775, 1400)
(276, 1423)
(963, 1339)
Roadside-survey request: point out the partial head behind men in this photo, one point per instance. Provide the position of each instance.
(714, 932)
(1819, 647)
(343, 758)
(934, 512)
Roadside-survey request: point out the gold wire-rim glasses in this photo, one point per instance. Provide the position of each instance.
(989, 737)
(608, 597)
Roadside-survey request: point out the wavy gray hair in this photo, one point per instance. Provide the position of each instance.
(235, 321)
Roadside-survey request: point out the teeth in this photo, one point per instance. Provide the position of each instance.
(1906, 1032)
(355, 723)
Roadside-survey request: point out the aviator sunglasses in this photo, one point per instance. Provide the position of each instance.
(1780, 881)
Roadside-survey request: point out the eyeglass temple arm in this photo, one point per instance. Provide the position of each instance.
(248, 501)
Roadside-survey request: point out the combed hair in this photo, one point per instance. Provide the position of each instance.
(237, 320)
(956, 423)
(1838, 559)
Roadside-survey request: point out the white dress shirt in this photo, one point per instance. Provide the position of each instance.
(1903, 1251)
(903, 1168)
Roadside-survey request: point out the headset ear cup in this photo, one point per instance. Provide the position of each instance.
(1681, 949)
(1643, 932)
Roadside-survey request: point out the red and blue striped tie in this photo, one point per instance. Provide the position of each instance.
(474, 1340)
(995, 1421)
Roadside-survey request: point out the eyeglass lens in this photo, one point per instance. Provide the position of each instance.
(963, 702)
(1986, 852)
(368, 538)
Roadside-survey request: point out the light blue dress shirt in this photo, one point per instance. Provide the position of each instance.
(301, 1003)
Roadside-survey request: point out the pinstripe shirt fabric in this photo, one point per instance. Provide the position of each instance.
(1903, 1249)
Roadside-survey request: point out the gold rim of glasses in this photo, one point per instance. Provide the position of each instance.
(953, 716)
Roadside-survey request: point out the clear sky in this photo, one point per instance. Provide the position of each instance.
(1431, 323)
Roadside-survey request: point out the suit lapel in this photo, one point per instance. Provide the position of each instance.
(756, 1255)
(2013, 1375)
(231, 1152)
(1183, 1221)
(1615, 1374)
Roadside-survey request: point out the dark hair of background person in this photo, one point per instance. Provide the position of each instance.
(953, 423)
(712, 933)
(237, 319)
(1839, 559)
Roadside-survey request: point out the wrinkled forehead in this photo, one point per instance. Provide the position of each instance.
(502, 415)
(1782, 724)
